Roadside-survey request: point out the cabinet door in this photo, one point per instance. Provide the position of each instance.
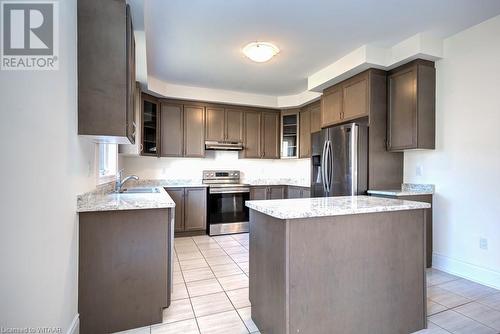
(194, 131)
(305, 134)
(276, 192)
(258, 193)
(234, 125)
(215, 128)
(131, 86)
(402, 112)
(331, 106)
(270, 135)
(177, 195)
(315, 117)
(306, 193)
(294, 192)
(171, 130)
(252, 135)
(195, 215)
(355, 97)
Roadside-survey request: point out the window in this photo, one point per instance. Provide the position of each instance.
(107, 156)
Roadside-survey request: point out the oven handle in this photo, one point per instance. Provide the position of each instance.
(229, 190)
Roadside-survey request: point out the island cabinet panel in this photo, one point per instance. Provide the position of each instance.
(194, 131)
(268, 264)
(105, 93)
(195, 209)
(305, 133)
(252, 135)
(215, 124)
(234, 125)
(331, 106)
(171, 130)
(308, 276)
(270, 135)
(177, 195)
(411, 110)
(355, 97)
(124, 269)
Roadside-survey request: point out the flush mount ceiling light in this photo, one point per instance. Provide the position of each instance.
(260, 52)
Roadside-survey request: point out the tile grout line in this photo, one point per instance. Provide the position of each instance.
(224, 290)
(185, 284)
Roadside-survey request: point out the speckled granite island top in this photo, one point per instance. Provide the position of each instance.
(331, 206)
(92, 202)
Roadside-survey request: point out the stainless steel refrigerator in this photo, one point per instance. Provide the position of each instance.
(340, 161)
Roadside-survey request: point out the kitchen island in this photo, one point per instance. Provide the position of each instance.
(338, 265)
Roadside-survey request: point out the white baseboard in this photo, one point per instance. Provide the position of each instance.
(74, 328)
(466, 270)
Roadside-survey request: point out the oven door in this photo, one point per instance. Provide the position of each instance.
(227, 212)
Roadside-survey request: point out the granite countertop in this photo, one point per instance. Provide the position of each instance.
(167, 183)
(331, 206)
(109, 201)
(407, 189)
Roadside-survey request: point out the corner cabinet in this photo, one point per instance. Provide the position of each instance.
(106, 93)
(412, 106)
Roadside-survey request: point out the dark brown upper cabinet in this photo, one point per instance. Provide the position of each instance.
(331, 106)
(355, 97)
(252, 135)
(270, 135)
(106, 93)
(194, 131)
(234, 124)
(351, 99)
(305, 133)
(215, 128)
(412, 106)
(182, 130)
(315, 110)
(224, 124)
(171, 130)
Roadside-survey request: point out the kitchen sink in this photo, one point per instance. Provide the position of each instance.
(140, 191)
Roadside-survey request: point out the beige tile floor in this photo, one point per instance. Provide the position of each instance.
(210, 294)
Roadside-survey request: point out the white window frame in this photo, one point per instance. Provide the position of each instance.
(111, 155)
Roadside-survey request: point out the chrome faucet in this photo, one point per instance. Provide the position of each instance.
(119, 182)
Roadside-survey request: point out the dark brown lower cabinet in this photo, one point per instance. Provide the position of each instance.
(428, 221)
(190, 210)
(124, 269)
(298, 192)
(278, 192)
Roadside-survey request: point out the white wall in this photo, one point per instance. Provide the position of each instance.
(465, 167)
(44, 165)
(191, 168)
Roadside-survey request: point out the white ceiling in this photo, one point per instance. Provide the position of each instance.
(198, 42)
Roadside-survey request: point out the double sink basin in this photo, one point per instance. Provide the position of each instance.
(145, 190)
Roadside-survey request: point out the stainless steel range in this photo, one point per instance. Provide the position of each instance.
(226, 210)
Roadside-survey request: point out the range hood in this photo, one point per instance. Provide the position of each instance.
(223, 145)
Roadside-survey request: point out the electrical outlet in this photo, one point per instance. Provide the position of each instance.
(419, 171)
(483, 243)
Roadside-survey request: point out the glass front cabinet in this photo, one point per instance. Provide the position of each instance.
(290, 135)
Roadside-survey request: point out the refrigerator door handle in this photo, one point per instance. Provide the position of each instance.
(323, 166)
(329, 163)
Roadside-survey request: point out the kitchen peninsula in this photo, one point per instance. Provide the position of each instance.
(338, 265)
